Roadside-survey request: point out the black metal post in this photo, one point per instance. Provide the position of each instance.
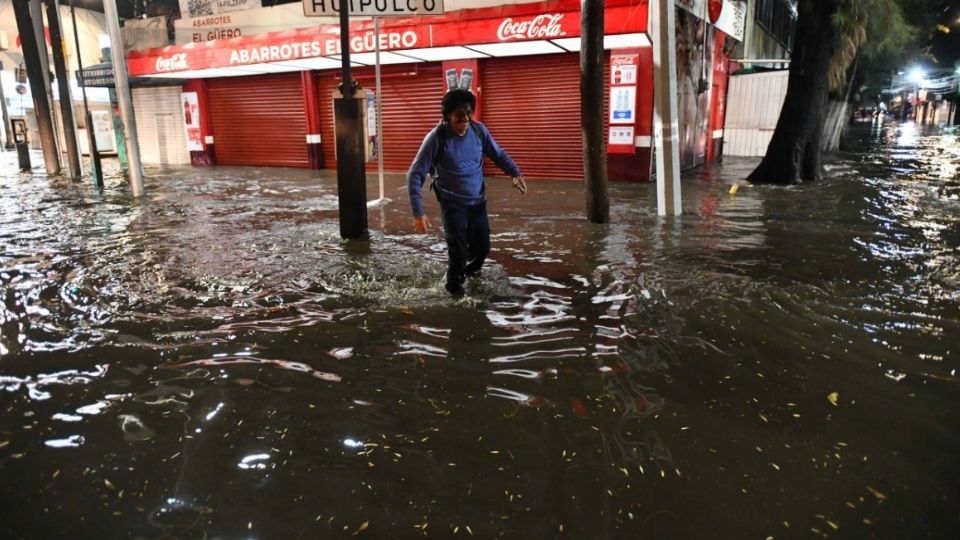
(63, 84)
(41, 106)
(95, 169)
(351, 168)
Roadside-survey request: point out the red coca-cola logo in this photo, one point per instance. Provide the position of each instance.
(540, 27)
(174, 63)
(714, 7)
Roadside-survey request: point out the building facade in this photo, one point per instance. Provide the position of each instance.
(264, 97)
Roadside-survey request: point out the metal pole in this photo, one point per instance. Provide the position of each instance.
(95, 169)
(63, 84)
(124, 98)
(7, 130)
(666, 130)
(351, 146)
(379, 101)
(41, 106)
(345, 49)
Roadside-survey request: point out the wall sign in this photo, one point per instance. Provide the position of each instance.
(249, 44)
(621, 135)
(623, 104)
(191, 121)
(371, 8)
(202, 8)
(624, 70)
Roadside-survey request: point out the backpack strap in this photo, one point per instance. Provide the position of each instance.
(441, 132)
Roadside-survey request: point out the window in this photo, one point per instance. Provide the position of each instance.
(779, 19)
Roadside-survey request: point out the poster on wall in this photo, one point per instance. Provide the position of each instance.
(690, 73)
(463, 74)
(191, 121)
(623, 104)
(371, 126)
(623, 69)
(624, 78)
(621, 135)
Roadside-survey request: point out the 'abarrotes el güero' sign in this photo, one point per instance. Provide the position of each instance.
(373, 8)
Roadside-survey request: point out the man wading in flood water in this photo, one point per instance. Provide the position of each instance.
(453, 154)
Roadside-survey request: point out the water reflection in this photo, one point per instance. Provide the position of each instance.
(214, 361)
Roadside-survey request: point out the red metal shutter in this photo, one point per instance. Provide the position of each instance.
(531, 104)
(411, 108)
(259, 120)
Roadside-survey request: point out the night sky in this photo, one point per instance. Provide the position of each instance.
(945, 47)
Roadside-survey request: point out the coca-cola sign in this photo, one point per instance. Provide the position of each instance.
(176, 62)
(545, 26)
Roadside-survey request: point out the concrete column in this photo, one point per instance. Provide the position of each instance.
(666, 128)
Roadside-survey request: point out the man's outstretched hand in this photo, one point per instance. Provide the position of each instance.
(520, 184)
(421, 224)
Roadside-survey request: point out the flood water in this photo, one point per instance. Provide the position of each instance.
(212, 361)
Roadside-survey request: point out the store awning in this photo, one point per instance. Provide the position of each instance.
(508, 30)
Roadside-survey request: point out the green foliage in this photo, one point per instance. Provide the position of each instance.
(877, 38)
(870, 31)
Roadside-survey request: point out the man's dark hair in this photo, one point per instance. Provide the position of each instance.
(456, 99)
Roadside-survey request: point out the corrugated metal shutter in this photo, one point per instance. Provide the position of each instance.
(159, 118)
(411, 108)
(753, 108)
(531, 104)
(259, 120)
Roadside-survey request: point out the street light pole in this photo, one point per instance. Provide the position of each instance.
(95, 169)
(124, 98)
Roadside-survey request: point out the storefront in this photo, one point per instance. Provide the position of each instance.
(266, 100)
(259, 120)
(159, 119)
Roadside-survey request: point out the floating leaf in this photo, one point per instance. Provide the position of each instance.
(832, 397)
(877, 494)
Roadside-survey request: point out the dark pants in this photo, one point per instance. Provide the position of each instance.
(468, 241)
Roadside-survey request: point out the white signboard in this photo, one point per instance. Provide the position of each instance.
(242, 23)
(373, 8)
(191, 121)
(621, 135)
(140, 34)
(206, 8)
(733, 18)
(623, 104)
(623, 74)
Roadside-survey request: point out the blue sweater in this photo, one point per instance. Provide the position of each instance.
(460, 170)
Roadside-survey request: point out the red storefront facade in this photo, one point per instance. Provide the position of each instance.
(529, 96)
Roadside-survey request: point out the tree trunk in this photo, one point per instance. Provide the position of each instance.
(838, 112)
(837, 122)
(794, 152)
(591, 111)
